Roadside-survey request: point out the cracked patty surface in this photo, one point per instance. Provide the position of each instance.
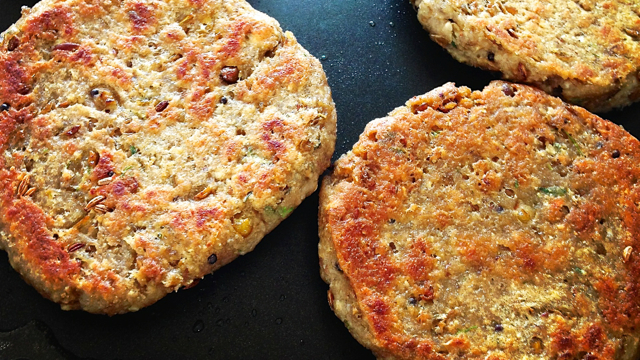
(501, 224)
(147, 143)
(586, 51)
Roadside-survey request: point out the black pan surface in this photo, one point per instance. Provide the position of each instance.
(271, 303)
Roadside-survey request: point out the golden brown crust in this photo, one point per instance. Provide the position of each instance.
(147, 143)
(583, 50)
(486, 224)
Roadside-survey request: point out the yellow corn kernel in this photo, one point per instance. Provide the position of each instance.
(243, 226)
(525, 213)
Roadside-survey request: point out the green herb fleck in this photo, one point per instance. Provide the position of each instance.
(269, 210)
(246, 197)
(347, 325)
(125, 170)
(464, 331)
(133, 150)
(574, 142)
(517, 184)
(435, 133)
(285, 211)
(453, 43)
(579, 271)
(549, 167)
(553, 190)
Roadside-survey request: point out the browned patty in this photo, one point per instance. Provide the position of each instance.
(147, 143)
(586, 51)
(501, 224)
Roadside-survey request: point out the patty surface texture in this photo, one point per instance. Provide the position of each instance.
(147, 143)
(586, 51)
(501, 224)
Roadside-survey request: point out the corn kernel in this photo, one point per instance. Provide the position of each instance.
(525, 213)
(243, 226)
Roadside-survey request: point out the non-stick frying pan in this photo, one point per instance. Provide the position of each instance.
(271, 303)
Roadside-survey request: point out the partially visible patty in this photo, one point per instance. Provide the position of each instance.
(502, 224)
(586, 51)
(147, 143)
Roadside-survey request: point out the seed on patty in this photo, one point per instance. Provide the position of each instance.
(212, 259)
(13, 44)
(95, 201)
(635, 34)
(30, 192)
(23, 186)
(330, 298)
(66, 47)
(75, 247)
(230, 74)
(186, 19)
(101, 209)
(615, 154)
(5, 107)
(73, 130)
(498, 327)
(626, 253)
(224, 100)
(93, 158)
(162, 106)
(105, 181)
(203, 194)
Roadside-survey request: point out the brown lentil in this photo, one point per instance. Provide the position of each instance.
(230, 74)
(162, 106)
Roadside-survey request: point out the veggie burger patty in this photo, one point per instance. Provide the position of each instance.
(494, 224)
(586, 51)
(147, 143)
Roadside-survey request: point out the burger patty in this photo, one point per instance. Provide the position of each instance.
(501, 224)
(585, 51)
(147, 143)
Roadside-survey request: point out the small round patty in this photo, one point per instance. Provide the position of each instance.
(147, 143)
(502, 224)
(586, 51)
